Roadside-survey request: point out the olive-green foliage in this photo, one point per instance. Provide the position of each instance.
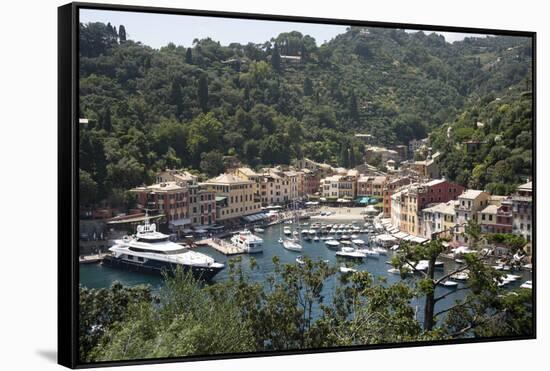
(292, 310)
(100, 309)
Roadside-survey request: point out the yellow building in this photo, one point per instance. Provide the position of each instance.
(247, 173)
(234, 196)
(293, 180)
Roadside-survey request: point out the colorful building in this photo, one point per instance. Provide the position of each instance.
(522, 211)
(168, 198)
(235, 197)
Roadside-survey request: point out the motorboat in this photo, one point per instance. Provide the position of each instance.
(151, 251)
(248, 241)
(332, 244)
(350, 252)
(370, 253)
(316, 239)
(380, 250)
(358, 242)
(259, 230)
(527, 285)
(347, 270)
(461, 276)
(449, 283)
(292, 245)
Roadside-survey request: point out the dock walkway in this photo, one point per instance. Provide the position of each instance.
(222, 246)
(90, 259)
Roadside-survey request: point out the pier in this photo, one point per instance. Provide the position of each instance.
(91, 259)
(221, 246)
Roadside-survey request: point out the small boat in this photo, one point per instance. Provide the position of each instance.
(345, 237)
(332, 244)
(527, 285)
(295, 233)
(300, 260)
(316, 239)
(512, 277)
(354, 236)
(460, 261)
(358, 242)
(450, 283)
(370, 253)
(346, 270)
(312, 231)
(287, 231)
(259, 230)
(422, 265)
(461, 276)
(439, 264)
(305, 231)
(394, 248)
(380, 250)
(280, 240)
(347, 243)
(292, 245)
(350, 252)
(394, 271)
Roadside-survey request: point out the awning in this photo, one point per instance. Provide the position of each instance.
(385, 237)
(255, 217)
(312, 203)
(418, 240)
(363, 200)
(179, 222)
(133, 219)
(401, 235)
(220, 198)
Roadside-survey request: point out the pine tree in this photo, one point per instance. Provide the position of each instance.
(308, 87)
(176, 97)
(276, 59)
(352, 161)
(189, 56)
(203, 93)
(105, 119)
(122, 33)
(353, 109)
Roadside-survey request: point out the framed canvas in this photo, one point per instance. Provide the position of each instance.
(241, 185)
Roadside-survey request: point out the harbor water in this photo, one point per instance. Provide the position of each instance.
(99, 276)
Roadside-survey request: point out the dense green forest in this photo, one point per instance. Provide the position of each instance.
(189, 106)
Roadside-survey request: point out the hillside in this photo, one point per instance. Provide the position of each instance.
(188, 107)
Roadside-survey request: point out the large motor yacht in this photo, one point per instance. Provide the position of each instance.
(150, 250)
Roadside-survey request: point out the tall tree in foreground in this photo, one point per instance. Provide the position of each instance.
(485, 304)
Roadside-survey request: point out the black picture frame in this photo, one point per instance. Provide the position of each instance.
(68, 263)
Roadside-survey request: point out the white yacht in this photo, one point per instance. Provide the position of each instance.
(292, 245)
(248, 241)
(151, 251)
(350, 252)
(332, 244)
